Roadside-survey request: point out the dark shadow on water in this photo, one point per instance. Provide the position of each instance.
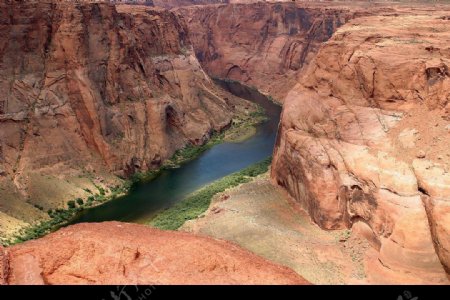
(143, 202)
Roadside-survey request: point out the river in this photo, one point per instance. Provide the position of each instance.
(143, 202)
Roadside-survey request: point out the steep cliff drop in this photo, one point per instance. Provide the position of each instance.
(363, 142)
(91, 91)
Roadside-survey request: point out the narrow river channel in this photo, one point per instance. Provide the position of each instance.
(140, 205)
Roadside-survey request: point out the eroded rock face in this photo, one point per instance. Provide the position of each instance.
(363, 142)
(120, 253)
(260, 44)
(87, 88)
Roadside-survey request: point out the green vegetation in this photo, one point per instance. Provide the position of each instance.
(59, 217)
(245, 126)
(190, 152)
(197, 203)
(241, 128)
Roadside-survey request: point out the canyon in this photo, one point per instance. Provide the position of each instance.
(261, 45)
(359, 186)
(90, 94)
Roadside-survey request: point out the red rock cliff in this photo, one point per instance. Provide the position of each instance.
(363, 142)
(87, 88)
(119, 253)
(260, 44)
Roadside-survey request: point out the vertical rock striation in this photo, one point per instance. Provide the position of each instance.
(89, 91)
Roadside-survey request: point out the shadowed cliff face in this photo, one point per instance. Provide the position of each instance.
(363, 142)
(260, 44)
(87, 88)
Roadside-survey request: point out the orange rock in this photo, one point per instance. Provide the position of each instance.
(120, 253)
(4, 266)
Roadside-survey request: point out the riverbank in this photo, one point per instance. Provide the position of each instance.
(198, 202)
(59, 217)
(260, 218)
(242, 127)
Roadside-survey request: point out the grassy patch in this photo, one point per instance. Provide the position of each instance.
(190, 152)
(61, 216)
(197, 203)
(241, 128)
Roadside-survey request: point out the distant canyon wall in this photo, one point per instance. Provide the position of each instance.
(260, 44)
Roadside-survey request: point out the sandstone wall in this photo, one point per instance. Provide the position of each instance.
(89, 91)
(260, 44)
(363, 142)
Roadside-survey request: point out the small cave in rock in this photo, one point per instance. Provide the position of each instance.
(173, 117)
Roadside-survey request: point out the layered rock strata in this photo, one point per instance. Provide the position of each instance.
(363, 142)
(90, 91)
(261, 44)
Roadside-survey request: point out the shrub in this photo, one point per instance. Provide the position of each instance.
(71, 204)
(80, 201)
(101, 190)
(196, 204)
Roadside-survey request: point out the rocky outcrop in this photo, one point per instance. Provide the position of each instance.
(260, 44)
(119, 253)
(168, 3)
(363, 142)
(90, 91)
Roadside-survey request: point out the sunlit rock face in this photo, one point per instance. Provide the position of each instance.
(126, 254)
(363, 142)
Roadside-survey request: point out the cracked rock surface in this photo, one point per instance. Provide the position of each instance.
(119, 253)
(89, 91)
(364, 138)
